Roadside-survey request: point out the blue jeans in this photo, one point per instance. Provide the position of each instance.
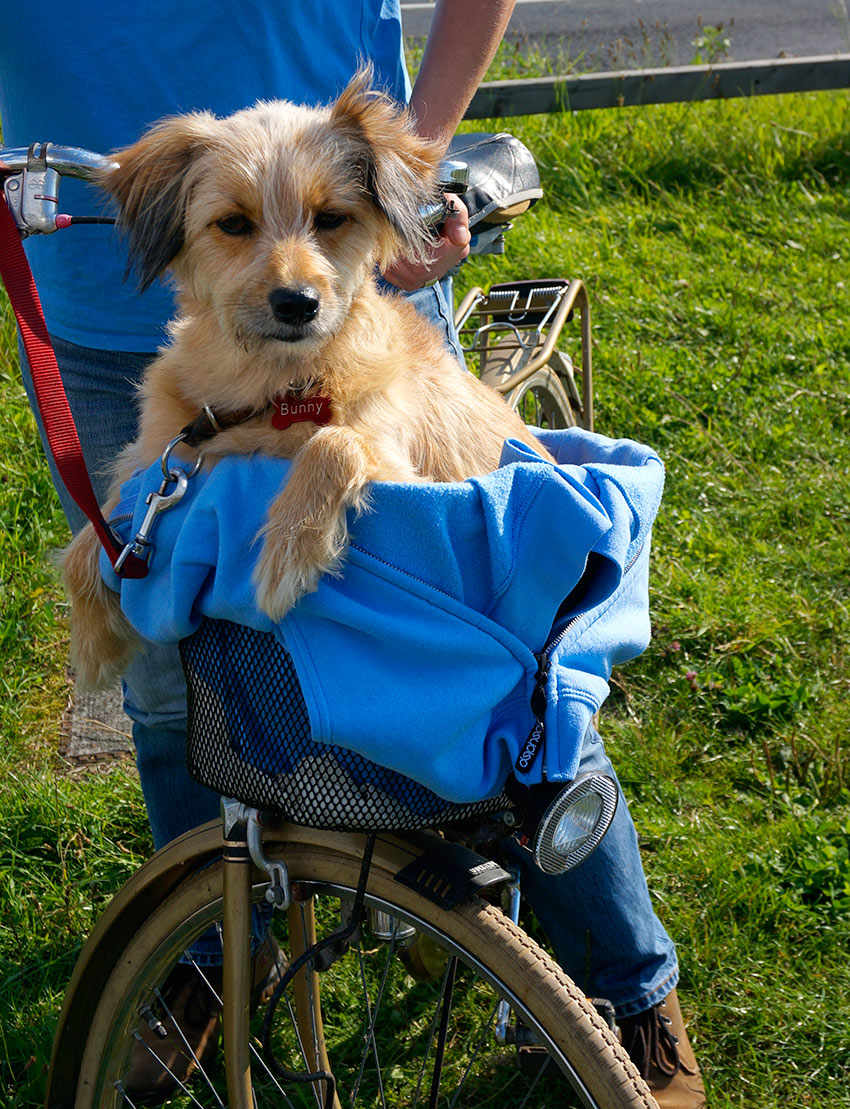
(599, 918)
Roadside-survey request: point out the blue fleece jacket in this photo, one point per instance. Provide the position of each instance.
(455, 600)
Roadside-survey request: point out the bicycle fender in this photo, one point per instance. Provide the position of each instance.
(449, 874)
(444, 872)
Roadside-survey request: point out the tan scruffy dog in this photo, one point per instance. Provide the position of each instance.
(273, 222)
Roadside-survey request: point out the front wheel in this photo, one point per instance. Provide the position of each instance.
(406, 1017)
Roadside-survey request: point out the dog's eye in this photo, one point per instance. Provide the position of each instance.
(235, 225)
(328, 221)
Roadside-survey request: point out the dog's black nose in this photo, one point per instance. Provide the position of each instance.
(294, 306)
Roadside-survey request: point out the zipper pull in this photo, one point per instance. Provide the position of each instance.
(534, 743)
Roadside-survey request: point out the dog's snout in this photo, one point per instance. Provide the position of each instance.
(294, 306)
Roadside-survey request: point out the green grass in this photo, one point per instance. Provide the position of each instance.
(713, 239)
(68, 843)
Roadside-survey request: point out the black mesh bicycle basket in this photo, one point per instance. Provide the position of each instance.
(249, 738)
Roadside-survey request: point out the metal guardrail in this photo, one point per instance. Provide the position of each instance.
(665, 85)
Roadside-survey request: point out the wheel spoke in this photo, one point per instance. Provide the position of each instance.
(125, 1099)
(432, 1031)
(486, 1032)
(258, 1057)
(445, 1015)
(372, 1011)
(182, 1035)
(168, 1070)
(532, 1089)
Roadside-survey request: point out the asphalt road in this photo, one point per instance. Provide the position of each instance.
(617, 34)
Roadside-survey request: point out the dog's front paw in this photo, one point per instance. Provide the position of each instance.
(280, 584)
(293, 559)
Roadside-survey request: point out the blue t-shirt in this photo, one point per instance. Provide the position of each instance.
(94, 75)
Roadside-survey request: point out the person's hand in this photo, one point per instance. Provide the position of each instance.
(450, 248)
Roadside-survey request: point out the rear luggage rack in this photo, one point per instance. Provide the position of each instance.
(511, 331)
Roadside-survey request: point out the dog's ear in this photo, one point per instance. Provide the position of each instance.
(151, 186)
(400, 167)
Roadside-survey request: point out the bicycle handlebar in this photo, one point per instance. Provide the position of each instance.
(30, 178)
(31, 175)
(69, 161)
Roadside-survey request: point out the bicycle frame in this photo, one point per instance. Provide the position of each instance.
(534, 318)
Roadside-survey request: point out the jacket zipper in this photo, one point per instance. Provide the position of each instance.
(534, 744)
(536, 739)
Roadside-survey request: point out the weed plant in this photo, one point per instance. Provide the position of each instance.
(713, 239)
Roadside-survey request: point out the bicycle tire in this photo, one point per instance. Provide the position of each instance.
(492, 955)
(542, 401)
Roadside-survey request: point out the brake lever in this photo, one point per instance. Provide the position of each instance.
(33, 194)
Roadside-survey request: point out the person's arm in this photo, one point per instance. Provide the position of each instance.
(462, 40)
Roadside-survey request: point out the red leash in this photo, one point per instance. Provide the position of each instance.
(50, 393)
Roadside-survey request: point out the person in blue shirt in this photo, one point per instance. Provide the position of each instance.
(87, 76)
(96, 76)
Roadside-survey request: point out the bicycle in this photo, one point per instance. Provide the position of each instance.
(432, 916)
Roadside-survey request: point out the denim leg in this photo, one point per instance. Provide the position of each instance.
(599, 918)
(100, 386)
(155, 701)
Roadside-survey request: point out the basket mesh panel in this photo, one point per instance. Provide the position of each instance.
(249, 738)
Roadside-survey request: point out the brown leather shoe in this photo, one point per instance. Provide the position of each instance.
(183, 1030)
(658, 1044)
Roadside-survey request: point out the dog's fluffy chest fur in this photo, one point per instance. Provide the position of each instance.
(387, 375)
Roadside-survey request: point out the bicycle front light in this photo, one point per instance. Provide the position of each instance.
(562, 826)
(573, 825)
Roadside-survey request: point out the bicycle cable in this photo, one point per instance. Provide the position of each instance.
(335, 945)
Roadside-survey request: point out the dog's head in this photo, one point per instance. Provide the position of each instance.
(272, 218)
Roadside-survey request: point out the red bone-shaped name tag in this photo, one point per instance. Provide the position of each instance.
(292, 409)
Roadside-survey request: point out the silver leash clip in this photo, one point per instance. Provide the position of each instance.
(141, 547)
(157, 502)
